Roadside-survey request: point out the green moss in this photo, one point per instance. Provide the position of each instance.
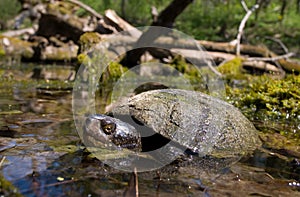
(232, 69)
(191, 72)
(2, 52)
(269, 100)
(113, 72)
(82, 58)
(88, 40)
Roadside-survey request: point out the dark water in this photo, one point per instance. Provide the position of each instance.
(42, 154)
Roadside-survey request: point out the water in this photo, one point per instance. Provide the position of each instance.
(42, 154)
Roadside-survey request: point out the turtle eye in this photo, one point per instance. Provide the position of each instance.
(108, 127)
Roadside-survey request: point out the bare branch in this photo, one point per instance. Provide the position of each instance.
(262, 66)
(273, 59)
(19, 32)
(244, 5)
(280, 43)
(241, 27)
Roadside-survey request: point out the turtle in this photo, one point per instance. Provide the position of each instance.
(191, 121)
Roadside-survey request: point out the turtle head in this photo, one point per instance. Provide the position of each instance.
(112, 132)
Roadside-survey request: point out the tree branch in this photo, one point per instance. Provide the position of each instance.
(241, 27)
(285, 49)
(273, 59)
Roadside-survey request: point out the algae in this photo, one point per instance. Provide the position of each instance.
(7, 188)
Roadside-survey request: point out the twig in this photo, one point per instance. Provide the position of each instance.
(87, 8)
(280, 68)
(245, 6)
(285, 49)
(19, 32)
(209, 64)
(2, 160)
(241, 27)
(270, 58)
(136, 183)
(51, 185)
(133, 187)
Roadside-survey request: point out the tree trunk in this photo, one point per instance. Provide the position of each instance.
(165, 19)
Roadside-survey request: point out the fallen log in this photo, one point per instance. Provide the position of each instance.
(194, 56)
(263, 66)
(111, 18)
(219, 51)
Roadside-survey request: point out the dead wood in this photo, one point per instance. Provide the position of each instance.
(111, 18)
(19, 32)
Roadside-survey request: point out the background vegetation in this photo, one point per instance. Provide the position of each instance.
(215, 20)
(218, 20)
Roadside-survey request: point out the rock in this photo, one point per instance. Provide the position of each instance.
(15, 47)
(69, 27)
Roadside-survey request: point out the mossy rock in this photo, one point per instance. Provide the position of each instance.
(15, 47)
(113, 72)
(232, 69)
(62, 53)
(60, 7)
(88, 40)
